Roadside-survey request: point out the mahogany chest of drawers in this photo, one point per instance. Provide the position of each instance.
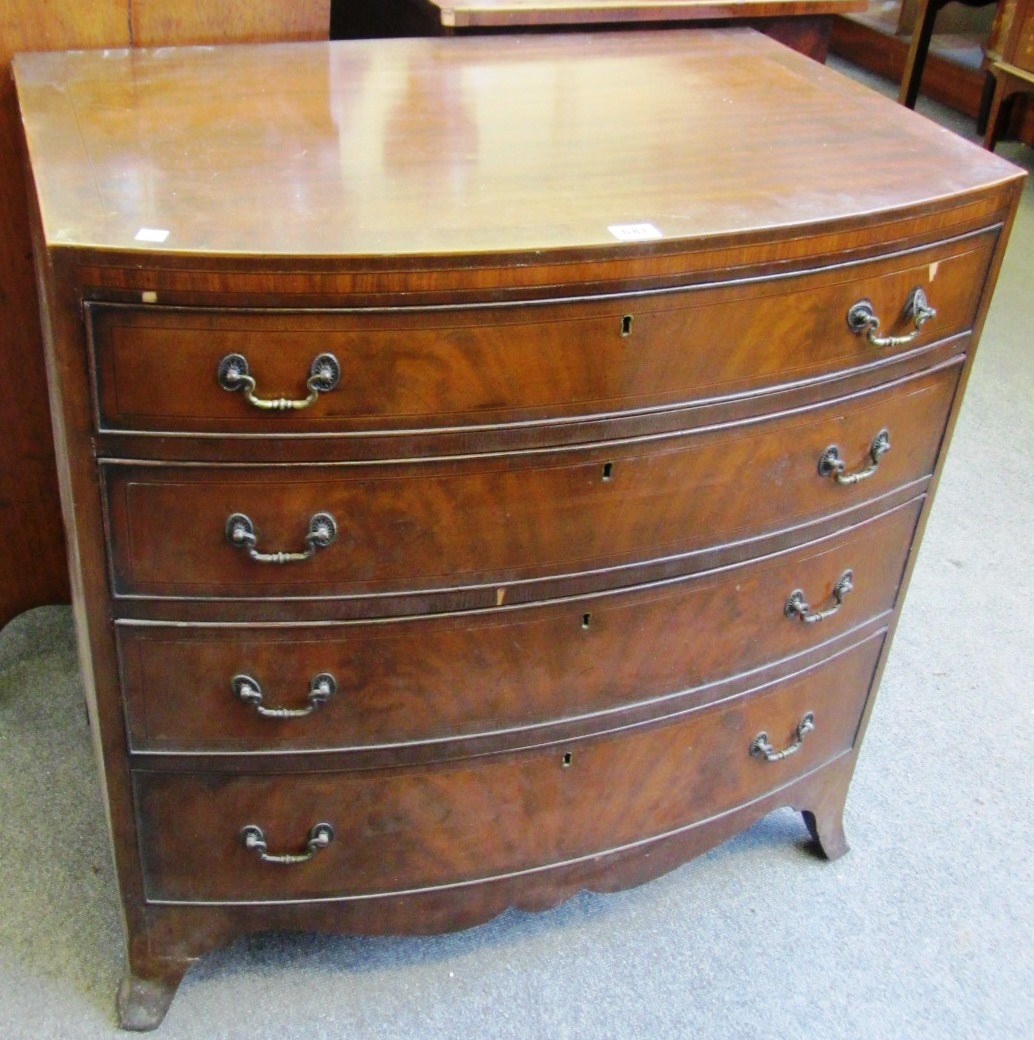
(491, 467)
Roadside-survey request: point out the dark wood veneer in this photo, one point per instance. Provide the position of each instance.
(446, 676)
(495, 520)
(463, 821)
(410, 369)
(667, 495)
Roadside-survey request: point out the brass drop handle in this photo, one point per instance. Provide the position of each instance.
(832, 465)
(761, 748)
(235, 375)
(253, 839)
(861, 318)
(321, 688)
(240, 533)
(797, 606)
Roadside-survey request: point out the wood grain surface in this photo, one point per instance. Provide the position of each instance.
(407, 369)
(173, 23)
(357, 177)
(427, 157)
(501, 674)
(501, 519)
(399, 830)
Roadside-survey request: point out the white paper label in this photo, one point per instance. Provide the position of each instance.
(634, 232)
(151, 234)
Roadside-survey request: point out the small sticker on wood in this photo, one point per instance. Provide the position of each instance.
(635, 232)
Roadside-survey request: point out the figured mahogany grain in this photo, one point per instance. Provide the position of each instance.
(462, 821)
(186, 931)
(491, 672)
(347, 177)
(521, 517)
(413, 368)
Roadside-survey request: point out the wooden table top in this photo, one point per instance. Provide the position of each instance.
(494, 144)
(463, 14)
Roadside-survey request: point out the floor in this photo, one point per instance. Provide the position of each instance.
(923, 930)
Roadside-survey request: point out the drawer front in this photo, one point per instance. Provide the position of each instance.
(178, 531)
(494, 672)
(403, 829)
(424, 369)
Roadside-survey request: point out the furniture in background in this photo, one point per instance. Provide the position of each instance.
(485, 479)
(1010, 64)
(35, 568)
(803, 25)
(919, 46)
(955, 69)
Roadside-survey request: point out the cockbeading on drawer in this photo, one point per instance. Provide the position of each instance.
(294, 372)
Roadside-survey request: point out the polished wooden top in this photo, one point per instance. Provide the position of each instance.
(461, 14)
(470, 145)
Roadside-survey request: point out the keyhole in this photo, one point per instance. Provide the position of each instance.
(586, 620)
(565, 762)
(626, 325)
(608, 470)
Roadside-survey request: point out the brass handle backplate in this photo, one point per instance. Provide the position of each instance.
(253, 839)
(832, 465)
(761, 748)
(240, 533)
(861, 319)
(797, 606)
(234, 374)
(321, 688)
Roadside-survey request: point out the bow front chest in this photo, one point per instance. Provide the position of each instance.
(491, 467)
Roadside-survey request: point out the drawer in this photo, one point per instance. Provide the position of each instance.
(485, 521)
(402, 829)
(498, 672)
(157, 368)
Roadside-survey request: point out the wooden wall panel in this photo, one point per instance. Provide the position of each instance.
(33, 569)
(159, 23)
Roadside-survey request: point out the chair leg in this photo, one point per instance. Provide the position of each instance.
(986, 97)
(994, 116)
(917, 51)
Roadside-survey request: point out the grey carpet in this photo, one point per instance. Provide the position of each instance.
(923, 930)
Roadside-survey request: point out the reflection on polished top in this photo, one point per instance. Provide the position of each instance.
(468, 145)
